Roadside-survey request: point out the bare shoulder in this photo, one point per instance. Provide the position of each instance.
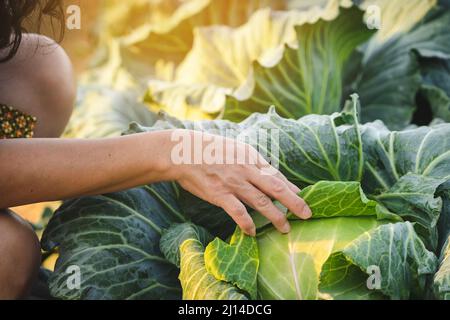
(39, 58)
(39, 81)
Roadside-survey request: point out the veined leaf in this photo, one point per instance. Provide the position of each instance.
(340, 279)
(329, 259)
(221, 58)
(444, 219)
(223, 55)
(399, 254)
(105, 112)
(153, 32)
(112, 240)
(308, 77)
(197, 283)
(390, 154)
(291, 265)
(444, 3)
(395, 17)
(186, 101)
(236, 263)
(436, 87)
(404, 171)
(414, 198)
(326, 258)
(185, 244)
(178, 233)
(442, 277)
(390, 76)
(329, 199)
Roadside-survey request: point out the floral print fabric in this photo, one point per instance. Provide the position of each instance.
(15, 124)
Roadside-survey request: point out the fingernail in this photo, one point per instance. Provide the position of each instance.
(307, 213)
(252, 232)
(297, 189)
(286, 228)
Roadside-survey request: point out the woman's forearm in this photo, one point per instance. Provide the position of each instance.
(38, 170)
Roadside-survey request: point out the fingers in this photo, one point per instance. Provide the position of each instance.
(267, 168)
(279, 190)
(237, 211)
(263, 204)
(290, 185)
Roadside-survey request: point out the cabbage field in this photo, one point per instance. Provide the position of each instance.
(362, 104)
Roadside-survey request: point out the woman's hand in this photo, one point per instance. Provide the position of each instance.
(234, 174)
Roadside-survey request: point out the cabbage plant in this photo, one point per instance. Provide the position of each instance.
(378, 185)
(380, 201)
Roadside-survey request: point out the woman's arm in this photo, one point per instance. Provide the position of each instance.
(37, 170)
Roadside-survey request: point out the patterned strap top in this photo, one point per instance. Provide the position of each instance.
(15, 124)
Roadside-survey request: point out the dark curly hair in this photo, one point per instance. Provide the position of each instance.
(15, 14)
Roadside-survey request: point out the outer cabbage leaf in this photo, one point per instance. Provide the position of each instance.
(390, 77)
(404, 171)
(197, 283)
(403, 261)
(340, 279)
(185, 101)
(221, 58)
(178, 233)
(113, 240)
(223, 55)
(444, 219)
(328, 258)
(236, 263)
(329, 199)
(436, 87)
(105, 112)
(290, 265)
(151, 32)
(391, 154)
(188, 242)
(396, 17)
(442, 277)
(444, 4)
(414, 198)
(308, 77)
